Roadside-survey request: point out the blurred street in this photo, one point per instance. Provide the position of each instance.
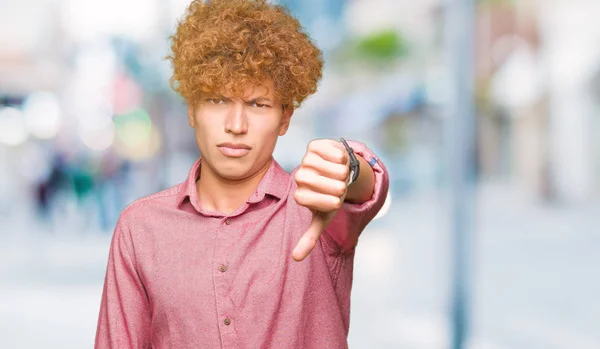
(89, 123)
(525, 295)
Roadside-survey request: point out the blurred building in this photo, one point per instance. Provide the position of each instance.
(537, 118)
(88, 123)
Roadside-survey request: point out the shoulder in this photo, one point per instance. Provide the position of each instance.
(151, 205)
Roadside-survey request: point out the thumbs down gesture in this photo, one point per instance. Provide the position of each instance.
(322, 181)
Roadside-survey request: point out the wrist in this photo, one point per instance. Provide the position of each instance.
(361, 190)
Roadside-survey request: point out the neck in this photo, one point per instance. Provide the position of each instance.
(219, 194)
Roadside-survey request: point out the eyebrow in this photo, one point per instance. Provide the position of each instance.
(214, 95)
(259, 99)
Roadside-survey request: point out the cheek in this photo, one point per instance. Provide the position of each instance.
(206, 127)
(266, 124)
(266, 132)
(204, 138)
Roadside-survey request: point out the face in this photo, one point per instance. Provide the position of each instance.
(237, 135)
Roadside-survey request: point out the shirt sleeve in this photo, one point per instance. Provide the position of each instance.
(351, 219)
(124, 320)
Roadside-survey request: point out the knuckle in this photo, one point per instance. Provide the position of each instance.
(344, 172)
(343, 188)
(303, 177)
(308, 160)
(337, 203)
(304, 160)
(300, 176)
(298, 197)
(340, 189)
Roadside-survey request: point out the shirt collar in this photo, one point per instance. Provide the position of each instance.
(275, 183)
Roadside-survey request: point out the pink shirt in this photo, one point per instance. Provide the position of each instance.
(182, 277)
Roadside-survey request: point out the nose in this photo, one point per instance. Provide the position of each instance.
(237, 122)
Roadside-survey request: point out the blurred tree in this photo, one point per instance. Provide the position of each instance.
(377, 50)
(382, 46)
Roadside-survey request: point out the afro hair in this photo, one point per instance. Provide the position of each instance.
(221, 46)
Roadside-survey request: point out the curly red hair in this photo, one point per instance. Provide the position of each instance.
(221, 46)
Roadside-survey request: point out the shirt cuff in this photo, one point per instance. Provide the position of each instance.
(352, 218)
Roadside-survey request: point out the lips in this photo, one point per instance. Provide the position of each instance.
(234, 145)
(234, 150)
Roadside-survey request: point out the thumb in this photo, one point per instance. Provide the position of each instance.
(320, 221)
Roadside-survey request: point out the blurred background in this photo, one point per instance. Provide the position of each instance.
(88, 124)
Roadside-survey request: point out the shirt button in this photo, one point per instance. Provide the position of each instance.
(227, 321)
(223, 268)
(228, 221)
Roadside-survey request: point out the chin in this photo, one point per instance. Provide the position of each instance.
(236, 172)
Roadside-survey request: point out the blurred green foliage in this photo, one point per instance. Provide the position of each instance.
(382, 46)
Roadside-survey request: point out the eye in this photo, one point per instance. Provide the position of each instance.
(259, 105)
(215, 100)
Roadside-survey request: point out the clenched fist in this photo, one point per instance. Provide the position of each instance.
(322, 186)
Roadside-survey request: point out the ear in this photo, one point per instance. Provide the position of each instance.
(288, 111)
(191, 116)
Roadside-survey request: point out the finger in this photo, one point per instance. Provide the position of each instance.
(317, 201)
(320, 184)
(330, 150)
(325, 167)
(308, 241)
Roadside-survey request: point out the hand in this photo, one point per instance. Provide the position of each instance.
(322, 186)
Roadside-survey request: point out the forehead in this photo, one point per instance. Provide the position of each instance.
(265, 89)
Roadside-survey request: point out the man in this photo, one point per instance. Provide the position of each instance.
(242, 254)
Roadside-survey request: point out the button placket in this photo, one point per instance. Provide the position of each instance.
(221, 267)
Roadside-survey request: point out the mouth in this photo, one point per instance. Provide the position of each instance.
(234, 145)
(234, 150)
